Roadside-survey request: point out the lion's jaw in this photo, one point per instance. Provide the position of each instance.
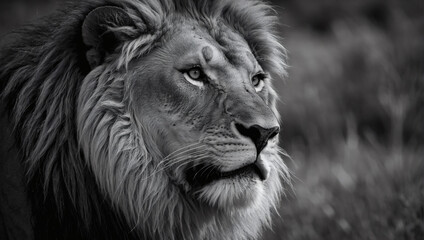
(144, 129)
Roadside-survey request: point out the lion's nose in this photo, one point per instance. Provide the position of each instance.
(259, 135)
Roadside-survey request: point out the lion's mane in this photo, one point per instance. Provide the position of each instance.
(42, 67)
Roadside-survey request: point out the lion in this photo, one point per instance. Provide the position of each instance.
(147, 119)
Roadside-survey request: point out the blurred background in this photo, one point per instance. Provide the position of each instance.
(353, 116)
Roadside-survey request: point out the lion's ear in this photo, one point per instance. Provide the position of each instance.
(103, 30)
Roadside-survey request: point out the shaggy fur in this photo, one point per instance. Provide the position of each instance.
(91, 173)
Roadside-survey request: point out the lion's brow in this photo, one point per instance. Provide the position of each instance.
(207, 53)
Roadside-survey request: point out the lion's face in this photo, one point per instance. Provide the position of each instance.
(208, 107)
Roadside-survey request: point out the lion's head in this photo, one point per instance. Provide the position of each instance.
(173, 116)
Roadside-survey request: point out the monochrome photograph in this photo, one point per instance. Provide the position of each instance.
(211, 120)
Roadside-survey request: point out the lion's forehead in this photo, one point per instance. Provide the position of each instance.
(235, 48)
(221, 47)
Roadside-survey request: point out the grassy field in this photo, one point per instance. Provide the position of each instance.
(356, 191)
(353, 120)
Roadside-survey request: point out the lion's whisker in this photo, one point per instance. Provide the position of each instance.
(189, 147)
(178, 152)
(182, 159)
(204, 169)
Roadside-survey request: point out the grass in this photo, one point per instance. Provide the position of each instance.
(358, 191)
(353, 121)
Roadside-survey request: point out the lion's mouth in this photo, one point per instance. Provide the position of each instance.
(204, 174)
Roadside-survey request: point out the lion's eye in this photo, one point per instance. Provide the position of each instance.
(195, 76)
(195, 73)
(258, 81)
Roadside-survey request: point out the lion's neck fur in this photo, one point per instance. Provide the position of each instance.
(42, 70)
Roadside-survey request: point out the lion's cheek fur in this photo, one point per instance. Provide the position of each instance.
(114, 149)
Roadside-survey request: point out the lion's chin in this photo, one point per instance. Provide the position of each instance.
(231, 193)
